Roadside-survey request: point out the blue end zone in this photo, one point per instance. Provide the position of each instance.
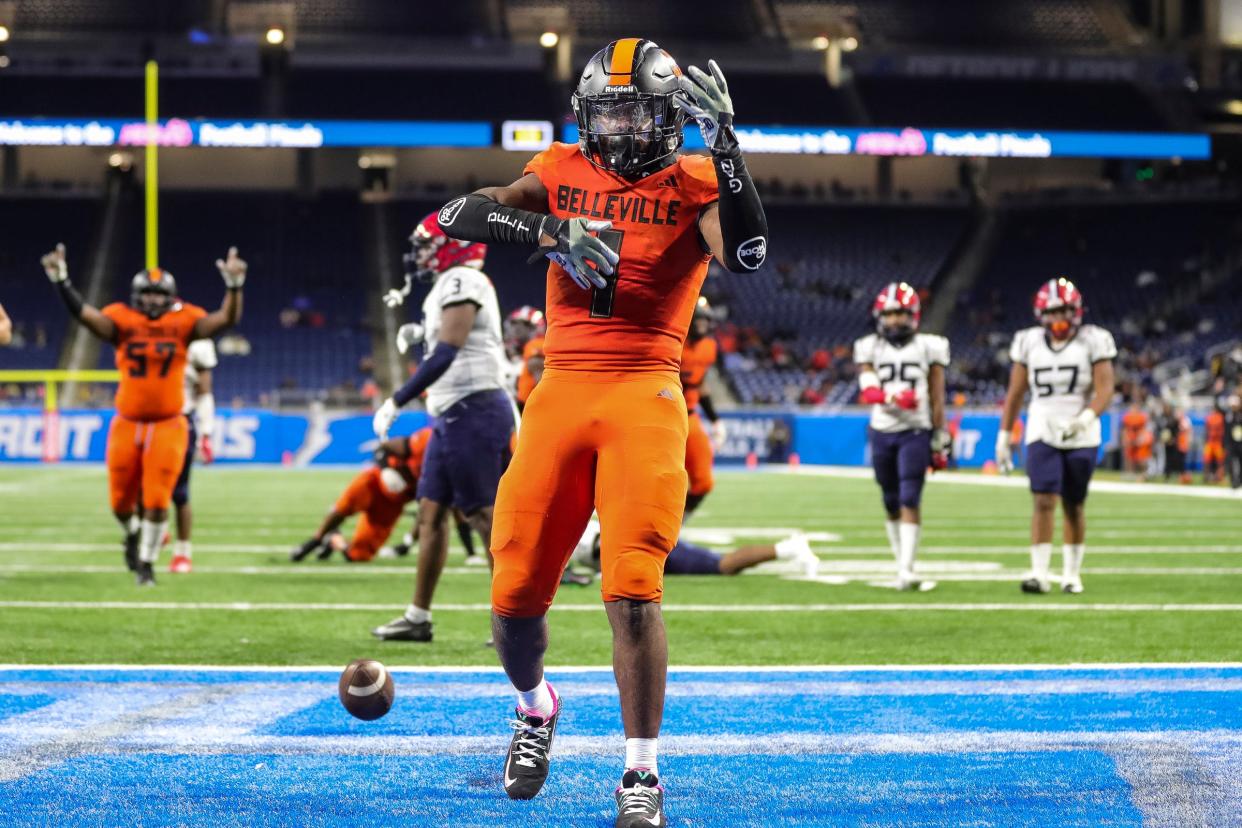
(871, 747)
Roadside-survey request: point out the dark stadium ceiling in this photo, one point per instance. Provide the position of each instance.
(220, 36)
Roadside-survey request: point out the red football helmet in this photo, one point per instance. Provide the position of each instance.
(434, 252)
(531, 316)
(1054, 295)
(897, 296)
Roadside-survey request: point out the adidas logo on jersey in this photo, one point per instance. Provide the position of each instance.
(666, 394)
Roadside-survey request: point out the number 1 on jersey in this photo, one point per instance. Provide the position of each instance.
(602, 298)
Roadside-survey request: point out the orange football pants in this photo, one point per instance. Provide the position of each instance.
(379, 510)
(145, 457)
(699, 457)
(1213, 453)
(611, 442)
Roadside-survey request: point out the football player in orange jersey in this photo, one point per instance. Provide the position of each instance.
(526, 328)
(380, 493)
(1214, 447)
(697, 357)
(629, 225)
(148, 437)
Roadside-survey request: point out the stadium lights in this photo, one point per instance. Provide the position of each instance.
(4, 61)
(849, 44)
(4, 33)
(548, 40)
(275, 36)
(820, 42)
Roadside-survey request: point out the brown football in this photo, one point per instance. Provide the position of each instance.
(366, 689)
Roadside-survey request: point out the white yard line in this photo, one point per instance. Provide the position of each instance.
(697, 668)
(246, 606)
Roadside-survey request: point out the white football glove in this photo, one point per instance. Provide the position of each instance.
(232, 269)
(1004, 455)
(409, 335)
(719, 434)
(1078, 426)
(54, 265)
(384, 418)
(395, 298)
(392, 481)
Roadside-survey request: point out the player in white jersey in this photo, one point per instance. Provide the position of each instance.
(200, 413)
(1068, 368)
(901, 376)
(463, 375)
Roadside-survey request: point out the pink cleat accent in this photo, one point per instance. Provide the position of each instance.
(180, 564)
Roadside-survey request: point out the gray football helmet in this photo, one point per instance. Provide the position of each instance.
(628, 120)
(153, 292)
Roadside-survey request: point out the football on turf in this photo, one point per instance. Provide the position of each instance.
(366, 689)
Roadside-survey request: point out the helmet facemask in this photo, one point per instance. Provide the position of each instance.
(153, 296)
(629, 133)
(1058, 321)
(896, 325)
(420, 262)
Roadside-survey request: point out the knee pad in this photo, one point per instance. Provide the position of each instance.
(635, 573)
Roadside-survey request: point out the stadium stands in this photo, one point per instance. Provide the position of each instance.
(304, 324)
(32, 226)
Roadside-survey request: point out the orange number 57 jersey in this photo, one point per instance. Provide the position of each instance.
(639, 321)
(150, 355)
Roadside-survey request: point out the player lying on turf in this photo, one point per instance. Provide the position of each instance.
(901, 376)
(697, 357)
(686, 558)
(379, 494)
(148, 438)
(629, 225)
(463, 376)
(200, 419)
(1068, 368)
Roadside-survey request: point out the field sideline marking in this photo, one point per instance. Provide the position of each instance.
(691, 668)
(247, 606)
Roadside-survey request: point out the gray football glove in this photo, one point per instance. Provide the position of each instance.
(706, 98)
(575, 246)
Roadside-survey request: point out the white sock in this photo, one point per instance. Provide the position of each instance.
(894, 538)
(1041, 559)
(130, 524)
(417, 615)
(537, 700)
(909, 539)
(150, 535)
(642, 753)
(1071, 560)
(181, 548)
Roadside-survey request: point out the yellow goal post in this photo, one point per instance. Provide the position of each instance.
(51, 379)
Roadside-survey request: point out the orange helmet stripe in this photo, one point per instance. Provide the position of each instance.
(621, 69)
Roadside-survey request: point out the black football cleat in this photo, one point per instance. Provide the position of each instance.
(403, 629)
(131, 551)
(299, 553)
(144, 574)
(526, 768)
(640, 800)
(1035, 586)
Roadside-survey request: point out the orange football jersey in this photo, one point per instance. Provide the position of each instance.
(640, 320)
(526, 380)
(150, 354)
(696, 358)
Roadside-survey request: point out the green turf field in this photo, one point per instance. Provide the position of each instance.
(61, 578)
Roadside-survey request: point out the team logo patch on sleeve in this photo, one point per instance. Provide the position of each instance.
(449, 212)
(752, 252)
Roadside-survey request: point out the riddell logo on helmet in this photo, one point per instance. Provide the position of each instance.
(752, 252)
(449, 212)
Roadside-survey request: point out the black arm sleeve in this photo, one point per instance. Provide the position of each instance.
(709, 408)
(70, 296)
(742, 222)
(478, 218)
